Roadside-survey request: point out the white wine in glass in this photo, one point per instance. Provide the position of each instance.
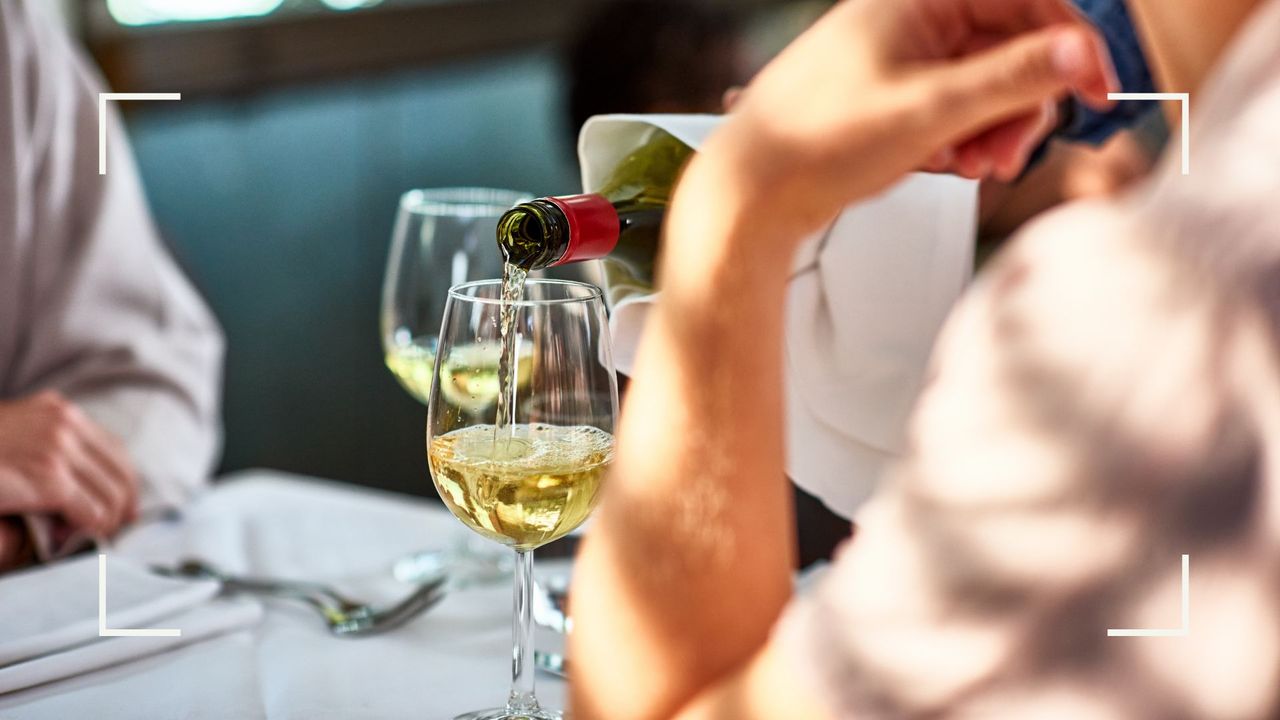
(538, 476)
(527, 492)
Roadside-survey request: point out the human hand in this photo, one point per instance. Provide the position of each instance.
(55, 460)
(881, 87)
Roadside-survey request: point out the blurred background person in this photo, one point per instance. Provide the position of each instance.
(653, 56)
(109, 361)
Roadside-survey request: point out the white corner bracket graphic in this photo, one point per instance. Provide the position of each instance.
(102, 118)
(1183, 631)
(1185, 99)
(103, 630)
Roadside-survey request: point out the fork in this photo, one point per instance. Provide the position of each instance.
(343, 616)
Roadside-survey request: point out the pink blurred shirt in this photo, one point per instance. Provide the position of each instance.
(91, 304)
(1104, 400)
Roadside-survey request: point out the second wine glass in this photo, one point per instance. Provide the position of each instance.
(442, 238)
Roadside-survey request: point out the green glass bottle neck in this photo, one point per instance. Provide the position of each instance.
(559, 230)
(534, 235)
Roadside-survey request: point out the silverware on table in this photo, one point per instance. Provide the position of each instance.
(372, 621)
(344, 617)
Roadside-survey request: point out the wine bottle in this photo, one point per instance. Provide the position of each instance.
(622, 222)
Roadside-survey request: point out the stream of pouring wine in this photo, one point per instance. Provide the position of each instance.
(513, 278)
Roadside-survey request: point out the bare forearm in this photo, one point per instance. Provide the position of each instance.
(688, 564)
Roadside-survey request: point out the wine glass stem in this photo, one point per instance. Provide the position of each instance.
(522, 698)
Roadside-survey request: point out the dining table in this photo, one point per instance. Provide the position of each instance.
(452, 659)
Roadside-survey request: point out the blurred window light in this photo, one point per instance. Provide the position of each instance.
(350, 4)
(151, 12)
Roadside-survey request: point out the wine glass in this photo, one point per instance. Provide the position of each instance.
(538, 477)
(442, 238)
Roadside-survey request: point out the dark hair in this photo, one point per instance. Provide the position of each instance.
(651, 55)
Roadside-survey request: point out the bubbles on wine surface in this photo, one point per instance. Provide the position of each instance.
(528, 491)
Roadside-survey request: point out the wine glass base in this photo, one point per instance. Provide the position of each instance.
(505, 714)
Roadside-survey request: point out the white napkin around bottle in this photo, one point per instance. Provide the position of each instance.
(866, 301)
(50, 628)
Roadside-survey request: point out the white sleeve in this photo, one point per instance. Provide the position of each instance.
(106, 317)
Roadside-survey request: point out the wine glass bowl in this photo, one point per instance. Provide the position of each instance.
(526, 491)
(536, 477)
(442, 238)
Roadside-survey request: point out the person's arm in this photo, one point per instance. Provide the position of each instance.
(687, 567)
(684, 477)
(108, 321)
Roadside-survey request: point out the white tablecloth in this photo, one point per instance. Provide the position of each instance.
(455, 658)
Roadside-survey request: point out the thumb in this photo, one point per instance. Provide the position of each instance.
(1018, 76)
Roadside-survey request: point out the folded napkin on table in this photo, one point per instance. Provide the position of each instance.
(866, 300)
(50, 628)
